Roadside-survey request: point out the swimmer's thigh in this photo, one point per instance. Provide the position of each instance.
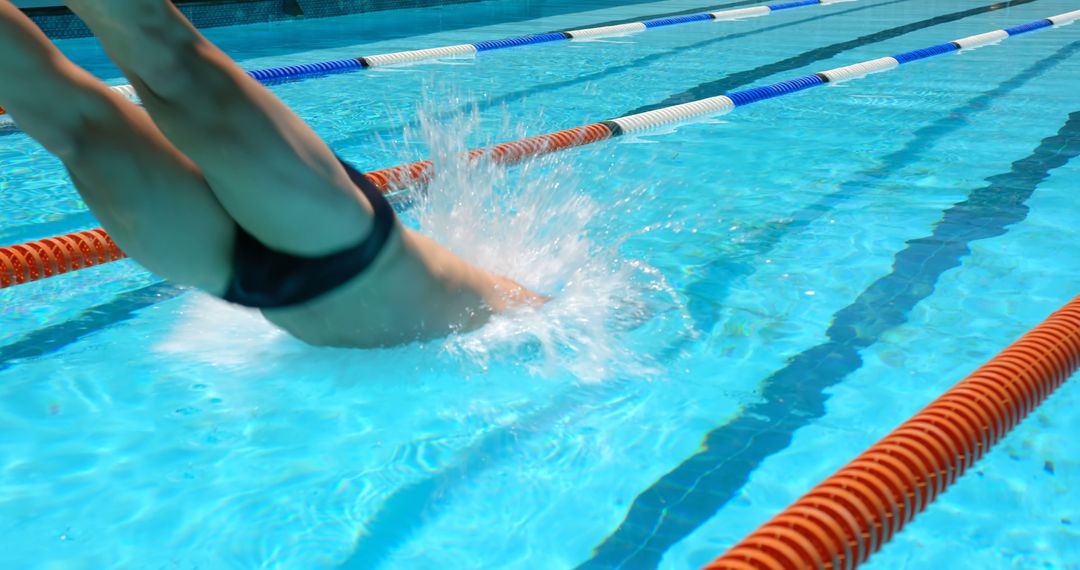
(151, 199)
(269, 170)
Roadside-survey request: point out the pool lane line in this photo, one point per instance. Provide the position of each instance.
(677, 13)
(857, 510)
(297, 71)
(404, 512)
(9, 128)
(307, 70)
(741, 78)
(464, 50)
(738, 79)
(722, 104)
(419, 173)
(32, 261)
(720, 272)
(49, 257)
(694, 491)
(364, 136)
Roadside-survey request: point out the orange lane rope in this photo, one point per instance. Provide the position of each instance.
(48, 257)
(850, 515)
(44, 258)
(419, 173)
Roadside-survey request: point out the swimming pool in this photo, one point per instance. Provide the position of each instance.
(786, 264)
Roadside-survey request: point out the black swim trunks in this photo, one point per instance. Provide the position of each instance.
(266, 278)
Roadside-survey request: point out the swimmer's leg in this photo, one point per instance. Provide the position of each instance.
(150, 198)
(269, 170)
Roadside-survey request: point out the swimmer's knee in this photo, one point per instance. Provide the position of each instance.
(184, 74)
(164, 78)
(69, 131)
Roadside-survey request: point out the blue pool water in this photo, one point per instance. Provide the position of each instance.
(788, 282)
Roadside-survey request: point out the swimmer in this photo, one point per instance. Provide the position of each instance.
(216, 184)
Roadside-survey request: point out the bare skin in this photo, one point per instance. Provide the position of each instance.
(214, 149)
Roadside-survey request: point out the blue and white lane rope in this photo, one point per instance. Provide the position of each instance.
(411, 175)
(302, 70)
(398, 178)
(725, 103)
(465, 50)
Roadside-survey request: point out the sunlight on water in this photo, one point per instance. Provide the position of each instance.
(534, 223)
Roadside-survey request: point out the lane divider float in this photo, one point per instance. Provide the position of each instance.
(854, 512)
(305, 70)
(49, 257)
(40, 259)
(464, 50)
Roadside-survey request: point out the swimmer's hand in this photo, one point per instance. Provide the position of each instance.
(510, 294)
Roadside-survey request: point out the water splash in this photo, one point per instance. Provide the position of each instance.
(537, 223)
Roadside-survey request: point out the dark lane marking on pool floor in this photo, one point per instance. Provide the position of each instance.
(51, 339)
(405, 511)
(708, 292)
(692, 493)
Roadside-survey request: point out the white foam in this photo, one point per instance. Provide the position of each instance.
(537, 224)
(216, 332)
